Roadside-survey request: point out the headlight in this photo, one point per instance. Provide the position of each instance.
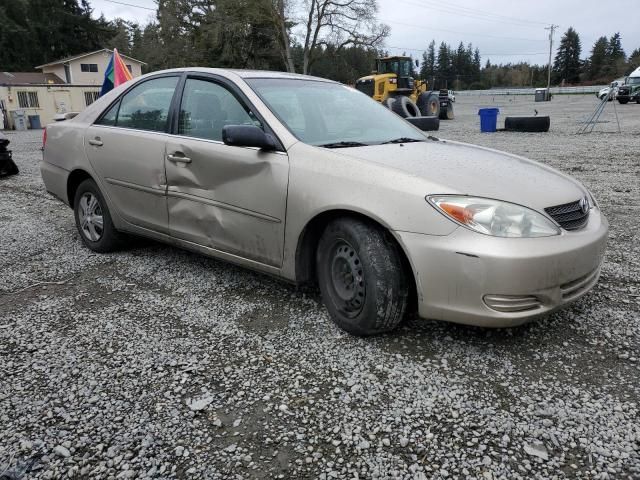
(493, 217)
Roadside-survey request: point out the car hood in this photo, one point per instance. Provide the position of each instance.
(457, 168)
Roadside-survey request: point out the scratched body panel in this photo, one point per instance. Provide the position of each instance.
(228, 198)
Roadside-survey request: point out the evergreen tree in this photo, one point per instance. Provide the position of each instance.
(634, 60)
(15, 42)
(34, 32)
(428, 69)
(443, 68)
(567, 64)
(616, 57)
(614, 50)
(598, 59)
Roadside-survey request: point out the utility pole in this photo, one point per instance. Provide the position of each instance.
(551, 29)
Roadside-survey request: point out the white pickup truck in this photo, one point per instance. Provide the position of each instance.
(613, 86)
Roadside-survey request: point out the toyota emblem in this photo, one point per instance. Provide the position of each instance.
(584, 205)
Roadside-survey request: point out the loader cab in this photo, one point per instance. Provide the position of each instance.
(402, 67)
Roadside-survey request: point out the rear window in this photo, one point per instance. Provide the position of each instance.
(145, 107)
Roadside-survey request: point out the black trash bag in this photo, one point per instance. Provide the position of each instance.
(7, 165)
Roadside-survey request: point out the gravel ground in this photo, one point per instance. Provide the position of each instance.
(154, 362)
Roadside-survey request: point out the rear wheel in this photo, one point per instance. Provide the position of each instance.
(429, 104)
(361, 277)
(93, 219)
(447, 112)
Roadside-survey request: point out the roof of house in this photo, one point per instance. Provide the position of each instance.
(29, 78)
(75, 57)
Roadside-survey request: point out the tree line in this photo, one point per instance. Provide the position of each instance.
(328, 38)
(607, 60)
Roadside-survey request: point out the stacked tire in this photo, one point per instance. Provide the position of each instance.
(404, 107)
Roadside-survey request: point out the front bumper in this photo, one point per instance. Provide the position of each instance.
(458, 275)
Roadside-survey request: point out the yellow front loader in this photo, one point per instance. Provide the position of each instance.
(393, 84)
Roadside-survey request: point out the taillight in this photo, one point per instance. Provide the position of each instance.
(44, 137)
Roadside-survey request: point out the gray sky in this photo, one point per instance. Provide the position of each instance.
(503, 30)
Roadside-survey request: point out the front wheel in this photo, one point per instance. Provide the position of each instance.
(623, 101)
(361, 277)
(93, 219)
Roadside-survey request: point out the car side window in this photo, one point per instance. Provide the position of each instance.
(207, 107)
(146, 106)
(110, 117)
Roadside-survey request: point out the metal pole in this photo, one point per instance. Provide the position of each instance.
(551, 29)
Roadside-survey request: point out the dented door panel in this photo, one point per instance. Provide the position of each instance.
(232, 199)
(131, 164)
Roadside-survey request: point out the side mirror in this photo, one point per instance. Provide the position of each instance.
(247, 136)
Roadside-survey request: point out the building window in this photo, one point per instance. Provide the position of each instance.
(28, 100)
(89, 67)
(129, 68)
(90, 97)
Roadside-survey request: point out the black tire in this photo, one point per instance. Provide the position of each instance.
(426, 124)
(389, 102)
(527, 124)
(7, 165)
(447, 113)
(109, 238)
(429, 104)
(404, 107)
(623, 101)
(361, 277)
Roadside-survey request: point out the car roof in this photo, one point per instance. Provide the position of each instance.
(245, 74)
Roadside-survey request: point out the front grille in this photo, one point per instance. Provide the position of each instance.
(623, 91)
(365, 86)
(570, 216)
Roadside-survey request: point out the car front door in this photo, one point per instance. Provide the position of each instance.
(231, 199)
(127, 147)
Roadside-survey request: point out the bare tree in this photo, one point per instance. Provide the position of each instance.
(282, 25)
(340, 23)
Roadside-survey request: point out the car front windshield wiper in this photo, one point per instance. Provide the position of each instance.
(343, 144)
(402, 140)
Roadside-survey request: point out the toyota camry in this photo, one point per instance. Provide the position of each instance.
(314, 182)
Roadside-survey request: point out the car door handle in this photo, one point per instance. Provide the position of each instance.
(96, 142)
(178, 158)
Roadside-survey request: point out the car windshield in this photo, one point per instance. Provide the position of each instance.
(330, 114)
(633, 81)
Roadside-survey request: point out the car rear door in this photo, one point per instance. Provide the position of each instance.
(127, 146)
(232, 199)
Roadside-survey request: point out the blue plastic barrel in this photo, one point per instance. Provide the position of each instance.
(488, 119)
(34, 121)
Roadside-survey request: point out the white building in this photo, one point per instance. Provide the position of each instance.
(66, 85)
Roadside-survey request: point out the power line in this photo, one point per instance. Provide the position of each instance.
(475, 14)
(486, 14)
(483, 54)
(423, 27)
(131, 5)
